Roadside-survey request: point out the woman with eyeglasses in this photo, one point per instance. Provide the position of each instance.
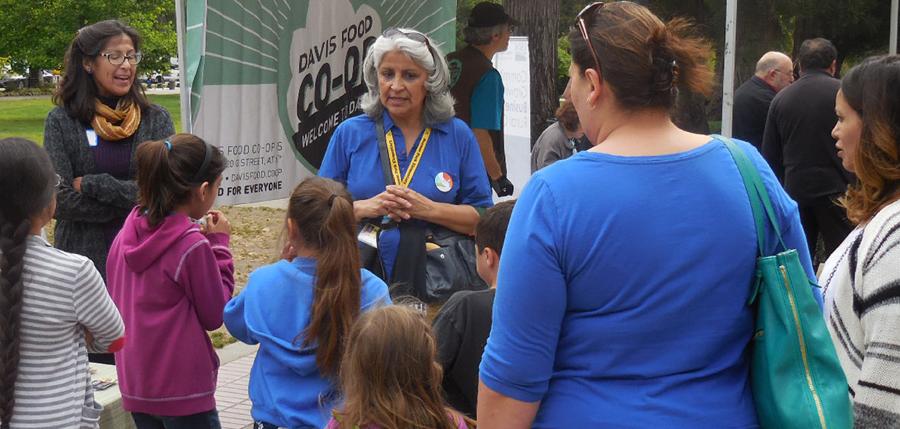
(100, 119)
(438, 176)
(626, 270)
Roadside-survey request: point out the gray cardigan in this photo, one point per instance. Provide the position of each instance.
(85, 218)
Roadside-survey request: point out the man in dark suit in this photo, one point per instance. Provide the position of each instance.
(774, 72)
(798, 145)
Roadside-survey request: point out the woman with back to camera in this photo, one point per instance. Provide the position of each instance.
(437, 157)
(92, 135)
(861, 278)
(625, 274)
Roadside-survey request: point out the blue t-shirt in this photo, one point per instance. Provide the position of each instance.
(286, 387)
(623, 288)
(487, 102)
(353, 158)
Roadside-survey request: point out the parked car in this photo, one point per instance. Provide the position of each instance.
(13, 83)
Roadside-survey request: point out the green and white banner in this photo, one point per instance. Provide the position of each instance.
(270, 80)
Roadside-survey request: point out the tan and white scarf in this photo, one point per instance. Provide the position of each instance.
(116, 124)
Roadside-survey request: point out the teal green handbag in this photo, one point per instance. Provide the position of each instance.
(795, 374)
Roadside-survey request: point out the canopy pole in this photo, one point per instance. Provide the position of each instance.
(894, 11)
(185, 90)
(728, 71)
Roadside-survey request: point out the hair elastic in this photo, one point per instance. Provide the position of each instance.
(168, 145)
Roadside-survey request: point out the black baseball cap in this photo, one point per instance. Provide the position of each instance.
(487, 14)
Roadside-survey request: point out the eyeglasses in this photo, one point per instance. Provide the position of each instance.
(790, 75)
(413, 35)
(117, 58)
(582, 26)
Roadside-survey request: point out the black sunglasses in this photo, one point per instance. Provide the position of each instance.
(583, 27)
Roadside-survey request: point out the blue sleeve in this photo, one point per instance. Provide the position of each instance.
(336, 163)
(374, 291)
(487, 102)
(234, 317)
(474, 185)
(789, 219)
(531, 300)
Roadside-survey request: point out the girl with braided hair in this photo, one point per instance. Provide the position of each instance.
(53, 305)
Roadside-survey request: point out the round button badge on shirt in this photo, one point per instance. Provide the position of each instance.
(443, 181)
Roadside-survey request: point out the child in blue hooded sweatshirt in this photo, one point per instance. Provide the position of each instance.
(300, 309)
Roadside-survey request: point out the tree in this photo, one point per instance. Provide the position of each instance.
(540, 22)
(35, 35)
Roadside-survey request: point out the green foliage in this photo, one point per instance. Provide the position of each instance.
(35, 34)
(564, 58)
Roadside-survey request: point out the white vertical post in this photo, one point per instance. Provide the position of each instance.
(185, 98)
(894, 11)
(728, 70)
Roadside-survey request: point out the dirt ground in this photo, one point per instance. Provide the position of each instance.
(255, 239)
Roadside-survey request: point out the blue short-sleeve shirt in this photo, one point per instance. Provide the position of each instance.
(487, 102)
(452, 153)
(622, 291)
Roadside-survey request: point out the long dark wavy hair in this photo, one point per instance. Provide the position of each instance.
(77, 92)
(27, 184)
(872, 89)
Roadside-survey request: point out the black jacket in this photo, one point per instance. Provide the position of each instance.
(461, 330)
(797, 142)
(751, 105)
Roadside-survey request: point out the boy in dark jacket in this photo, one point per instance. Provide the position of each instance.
(464, 323)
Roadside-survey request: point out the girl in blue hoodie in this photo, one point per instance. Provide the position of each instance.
(171, 278)
(299, 310)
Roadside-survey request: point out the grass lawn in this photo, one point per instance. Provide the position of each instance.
(24, 117)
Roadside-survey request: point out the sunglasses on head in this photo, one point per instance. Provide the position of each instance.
(583, 27)
(412, 35)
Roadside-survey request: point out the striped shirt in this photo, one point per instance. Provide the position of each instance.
(862, 281)
(64, 295)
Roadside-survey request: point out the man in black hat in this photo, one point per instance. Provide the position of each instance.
(478, 89)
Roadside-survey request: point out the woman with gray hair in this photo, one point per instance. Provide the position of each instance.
(437, 173)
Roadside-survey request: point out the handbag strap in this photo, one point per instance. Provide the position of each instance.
(760, 202)
(383, 150)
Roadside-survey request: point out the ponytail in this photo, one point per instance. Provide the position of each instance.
(27, 186)
(680, 58)
(322, 210)
(167, 171)
(644, 60)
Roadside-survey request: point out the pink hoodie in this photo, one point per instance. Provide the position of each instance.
(171, 283)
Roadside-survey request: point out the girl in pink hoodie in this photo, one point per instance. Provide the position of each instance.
(171, 276)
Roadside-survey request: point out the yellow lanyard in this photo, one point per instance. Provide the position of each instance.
(413, 164)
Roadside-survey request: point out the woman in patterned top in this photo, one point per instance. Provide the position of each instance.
(861, 278)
